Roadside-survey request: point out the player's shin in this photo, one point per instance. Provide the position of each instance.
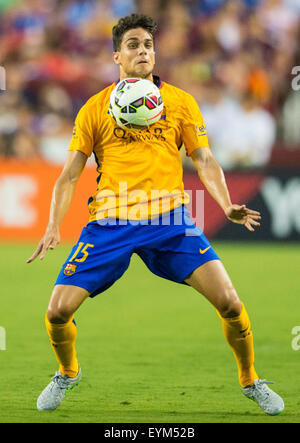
(62, 338)
(237, 331)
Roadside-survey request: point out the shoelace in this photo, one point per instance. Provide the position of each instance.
(265, 382)
(60, 381)
(261, 388)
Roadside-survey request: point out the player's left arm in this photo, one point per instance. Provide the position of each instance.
(212, 176)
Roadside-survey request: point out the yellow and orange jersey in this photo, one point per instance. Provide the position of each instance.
(140, 171)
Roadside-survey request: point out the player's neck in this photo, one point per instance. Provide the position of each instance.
(124, 75)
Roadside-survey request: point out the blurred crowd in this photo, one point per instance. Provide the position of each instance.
(235, 57)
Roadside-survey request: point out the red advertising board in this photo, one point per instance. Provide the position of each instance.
(25, 195)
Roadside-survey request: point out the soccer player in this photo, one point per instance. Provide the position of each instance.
(143, 163)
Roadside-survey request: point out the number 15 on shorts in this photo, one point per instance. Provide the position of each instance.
(81, 249)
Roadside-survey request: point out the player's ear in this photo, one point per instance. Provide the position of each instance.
(116, 57)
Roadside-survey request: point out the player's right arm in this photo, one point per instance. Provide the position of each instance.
(62, 195)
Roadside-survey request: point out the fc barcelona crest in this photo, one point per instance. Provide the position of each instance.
(70, 269)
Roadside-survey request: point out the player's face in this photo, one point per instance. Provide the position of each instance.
(136, 57)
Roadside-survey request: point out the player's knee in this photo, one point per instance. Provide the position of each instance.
(58, 315)
(230, 304)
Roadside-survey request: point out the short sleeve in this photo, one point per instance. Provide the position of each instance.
(83, 138)
(193, 127)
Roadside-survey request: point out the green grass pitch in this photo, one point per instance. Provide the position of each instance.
(151, 351)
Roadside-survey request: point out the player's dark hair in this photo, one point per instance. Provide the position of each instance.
(132, 21)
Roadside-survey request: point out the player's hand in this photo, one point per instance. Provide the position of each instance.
(243, 215)
(50, 240)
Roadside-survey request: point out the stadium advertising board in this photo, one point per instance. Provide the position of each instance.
(25, 194)
(275, 194)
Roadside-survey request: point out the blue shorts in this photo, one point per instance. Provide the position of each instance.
(171, 246)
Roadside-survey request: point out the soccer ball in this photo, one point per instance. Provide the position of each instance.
(135, 103)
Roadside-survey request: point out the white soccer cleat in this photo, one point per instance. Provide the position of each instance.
(55, 392)
(270, 402)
